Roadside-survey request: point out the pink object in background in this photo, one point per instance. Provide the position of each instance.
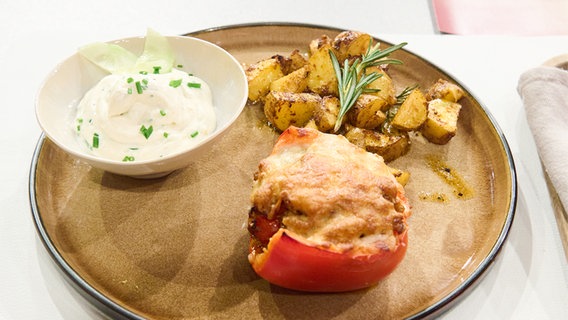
(502, 17)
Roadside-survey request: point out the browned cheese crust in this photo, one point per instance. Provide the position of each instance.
(332, 193)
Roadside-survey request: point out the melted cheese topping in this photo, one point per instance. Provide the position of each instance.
(331, 193)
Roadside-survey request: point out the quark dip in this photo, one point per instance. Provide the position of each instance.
(143, 116)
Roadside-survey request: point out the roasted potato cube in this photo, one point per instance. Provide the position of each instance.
(294, 82)
(321, 75)
(441, 124)
(297, 61)
(400, 175)
(356, 136)
(292, 62)
(349, 44)
(317, 44)
(284, 109)
(260, 75)
(325, 114)
(311, 124)
(444, 90)
(387, 91)
(389, 147)
(366, 112)
(412, 112)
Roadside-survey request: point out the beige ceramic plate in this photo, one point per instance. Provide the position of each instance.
(176, 247)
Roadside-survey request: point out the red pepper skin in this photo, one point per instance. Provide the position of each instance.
(292, 264)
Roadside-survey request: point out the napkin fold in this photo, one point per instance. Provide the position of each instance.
(544, 91)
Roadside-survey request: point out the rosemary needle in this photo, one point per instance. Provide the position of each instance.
(352, 80)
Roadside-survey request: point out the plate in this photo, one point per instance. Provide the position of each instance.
(176, 247)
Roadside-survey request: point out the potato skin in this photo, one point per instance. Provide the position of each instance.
(441, 124)
(284, 109)
(444, 90)
(316, 44)
(326, 113)
(348, 44)
(296, 61)
(389, 146)
(366, 112)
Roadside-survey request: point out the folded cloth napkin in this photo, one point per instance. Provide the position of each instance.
(544, 91)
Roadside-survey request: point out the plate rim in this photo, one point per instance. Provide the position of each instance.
(115, 310)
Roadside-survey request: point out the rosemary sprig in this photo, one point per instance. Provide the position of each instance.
(405, 93)
(352, 80)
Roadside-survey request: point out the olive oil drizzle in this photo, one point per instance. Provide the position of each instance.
(450, 176)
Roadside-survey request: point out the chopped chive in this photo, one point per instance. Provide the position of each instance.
(157, 69)
(95, 140)
(194, 85)
(145, 81)
(175, 83)
(166, 134)
(129, 91)
(79, 121)
(180, 66)
(143, 72)
(129, 80)
(193, 135)
(163, 113)
(146, 132)
(190, 74)
(133, 148)
(138, 87)
(127, 158)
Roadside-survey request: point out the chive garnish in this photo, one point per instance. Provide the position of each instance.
(180, 66)
(162, 113)
(127, 158)
(138, 87)
(193, 135)
(175, 83)
(157, 69)
(129, 91)
(194, 85)
(146, 132)
(166, 134)
(95, 140)
(129, 80)
(145, 82)
(79, 121)
(144, 72)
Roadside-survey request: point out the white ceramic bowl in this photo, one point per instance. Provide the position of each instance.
(64, 87)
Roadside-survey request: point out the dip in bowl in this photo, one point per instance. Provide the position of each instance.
(149, 133)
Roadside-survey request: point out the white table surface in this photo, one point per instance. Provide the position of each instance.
(530, 278)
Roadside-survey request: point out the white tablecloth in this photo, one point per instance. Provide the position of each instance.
(530, 278)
